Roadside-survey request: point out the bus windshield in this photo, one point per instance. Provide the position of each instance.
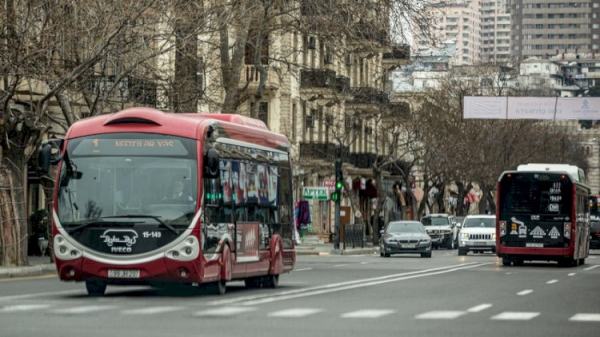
(536, 193)
(130, 177)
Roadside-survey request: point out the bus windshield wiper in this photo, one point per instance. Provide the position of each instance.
(142, 216)
(95, 221)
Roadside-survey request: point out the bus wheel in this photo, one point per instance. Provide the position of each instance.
(95, 287)
(506, 261)
(271, 281)
(218, 288)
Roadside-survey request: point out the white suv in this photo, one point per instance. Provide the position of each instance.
(477, 234)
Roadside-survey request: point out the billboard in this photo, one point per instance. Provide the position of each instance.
(538, 108)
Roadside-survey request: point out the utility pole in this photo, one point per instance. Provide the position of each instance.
(336, 196)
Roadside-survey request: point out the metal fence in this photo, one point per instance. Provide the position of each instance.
(354, 236)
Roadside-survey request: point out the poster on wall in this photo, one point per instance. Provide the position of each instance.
(273, 185)
(251, 183)
(225, 166)
(263, 184)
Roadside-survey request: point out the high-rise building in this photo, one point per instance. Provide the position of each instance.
(495, 31)
(460, 21)
(544, 28)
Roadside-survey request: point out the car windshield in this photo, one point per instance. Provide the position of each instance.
(405, 227)
(480, 222)
(435, 221)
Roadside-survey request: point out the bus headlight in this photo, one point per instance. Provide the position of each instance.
(187, 250)
(65, 250)
(567, 230)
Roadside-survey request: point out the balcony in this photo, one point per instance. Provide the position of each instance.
(251, 76)
(323, 151)
(369, 95)
(398, 52)
(318, 78)
(371, 32)
(362, 160)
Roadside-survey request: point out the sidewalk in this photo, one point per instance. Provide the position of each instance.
(38, 265)
(312, 245)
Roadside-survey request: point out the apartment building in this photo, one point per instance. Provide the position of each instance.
(459, 21)
(543, 28)
(495, 31)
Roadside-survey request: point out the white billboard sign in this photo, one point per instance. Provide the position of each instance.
(540, 108)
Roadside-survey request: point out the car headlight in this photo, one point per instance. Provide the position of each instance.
(464, 236)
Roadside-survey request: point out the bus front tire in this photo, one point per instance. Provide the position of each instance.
(271, 281)
(218, 288)
(95, 287)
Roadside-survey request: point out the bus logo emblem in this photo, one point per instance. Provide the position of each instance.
(128, 237)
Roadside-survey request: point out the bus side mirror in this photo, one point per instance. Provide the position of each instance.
(211, 164)
(49, 154)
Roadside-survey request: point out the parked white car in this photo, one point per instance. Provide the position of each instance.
(477, 234)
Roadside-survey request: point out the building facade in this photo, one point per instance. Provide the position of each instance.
(495, 31)
(542, 28)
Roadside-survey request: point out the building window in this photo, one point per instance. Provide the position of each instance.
(263, 112)
(309, 122)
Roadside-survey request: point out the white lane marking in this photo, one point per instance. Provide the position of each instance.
(225, 311)
(552, 281)
(368, 313)
(302, 269)
(441, 314)
(150, 310)
(340, 265)
(335, 285)
(24, 296)
(525, 292)
(23, 307)
(592, 267)
(364, 262)
(585, 318)
(479, 308)
(83, 309)
(515, 316)
(353, 286)
(571, 274)
(295, 312)
(509, 273)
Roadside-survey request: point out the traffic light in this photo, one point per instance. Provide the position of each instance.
(339, 181)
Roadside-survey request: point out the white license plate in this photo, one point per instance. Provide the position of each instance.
(534, 245)
(122, 273)
(479, 243)
(408, 245)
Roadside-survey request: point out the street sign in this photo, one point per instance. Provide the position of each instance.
(317, 193)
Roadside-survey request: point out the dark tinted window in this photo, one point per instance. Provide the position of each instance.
(536, 193)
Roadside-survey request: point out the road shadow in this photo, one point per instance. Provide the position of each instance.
(181, 291)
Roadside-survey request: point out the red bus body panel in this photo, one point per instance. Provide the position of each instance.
(194, 126)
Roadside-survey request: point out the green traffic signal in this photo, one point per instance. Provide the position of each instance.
(335, 196)
(339, 185)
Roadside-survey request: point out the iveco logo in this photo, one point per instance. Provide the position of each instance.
(126, 237)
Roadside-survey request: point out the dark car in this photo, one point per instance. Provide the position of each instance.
(405, 237)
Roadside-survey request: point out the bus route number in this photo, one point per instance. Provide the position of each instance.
(152, 234)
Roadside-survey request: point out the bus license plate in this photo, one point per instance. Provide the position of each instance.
(534, 245)
(121, 273)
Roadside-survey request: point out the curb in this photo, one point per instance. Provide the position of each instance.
(350, 251)
(41, 269)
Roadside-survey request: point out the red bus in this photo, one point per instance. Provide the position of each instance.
(542, 213)
(148, 197)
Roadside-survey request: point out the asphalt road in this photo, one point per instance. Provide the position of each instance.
(446, 295)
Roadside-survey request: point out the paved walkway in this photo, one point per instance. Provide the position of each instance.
(312, 245)
(38, 265)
